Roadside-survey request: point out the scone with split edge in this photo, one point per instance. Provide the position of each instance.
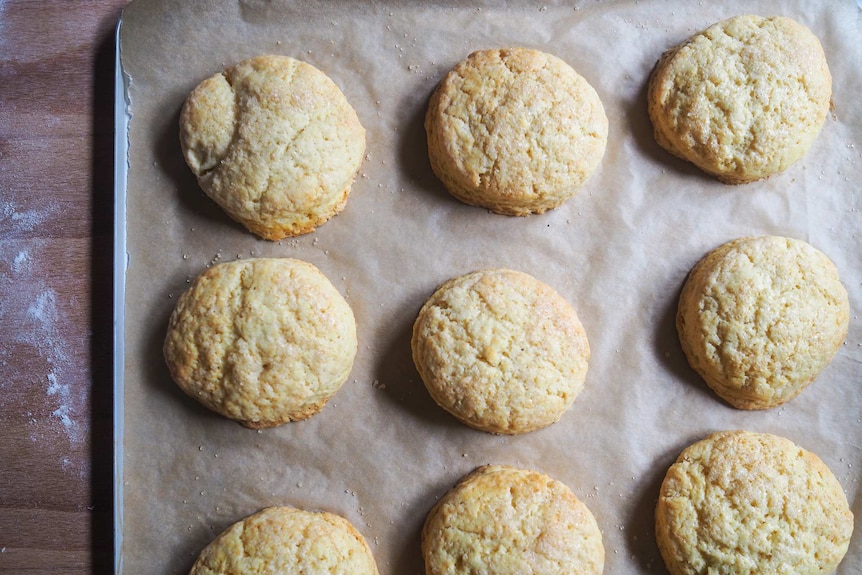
(274, 142)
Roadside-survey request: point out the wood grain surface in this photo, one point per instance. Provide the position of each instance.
(56, 212)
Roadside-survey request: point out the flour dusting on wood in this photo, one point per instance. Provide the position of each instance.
(22, 221)
(35, 319)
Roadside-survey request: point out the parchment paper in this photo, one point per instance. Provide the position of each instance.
(381, 452)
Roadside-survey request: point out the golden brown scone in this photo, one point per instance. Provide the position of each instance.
(759, 318)
(287, 540)
(500, 519)
(501, 351)
(261, 341)
(274, 142)
(747, 503)
(742, 100)
(516, 131)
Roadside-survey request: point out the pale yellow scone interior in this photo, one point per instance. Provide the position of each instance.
(747, 503)
(759, 319)
(501, 351)
(274, 142)
(287, 540)
(500, 519)
(516, 131)
(261, 341)
(742, 100)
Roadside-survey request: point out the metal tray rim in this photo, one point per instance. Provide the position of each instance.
(121, 169)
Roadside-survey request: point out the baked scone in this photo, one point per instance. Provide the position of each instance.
(501, 351)
(274, 142)
(749, 504)
(500, 519)
(759, 318)
(287, 540)
(516, 131)
(743, 99)
(261, 341)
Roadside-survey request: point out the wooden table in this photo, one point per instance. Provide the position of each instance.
(56, 218)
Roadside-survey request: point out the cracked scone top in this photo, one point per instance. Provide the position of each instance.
(274, 142)
(516, 131)
(742, 100)
(287, 540)
(261, 341)
(501, 351)
(759, 318)
(747, 503)
(500, 519)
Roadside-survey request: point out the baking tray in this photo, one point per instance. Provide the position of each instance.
(642, 220)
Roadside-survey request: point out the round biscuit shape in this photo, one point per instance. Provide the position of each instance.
(501, 351)
(261, 341)
(287, 540)
(760, 317)
(500, 519)
(751, 503)
(274, 142)
(516, 131)
(743, 99)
